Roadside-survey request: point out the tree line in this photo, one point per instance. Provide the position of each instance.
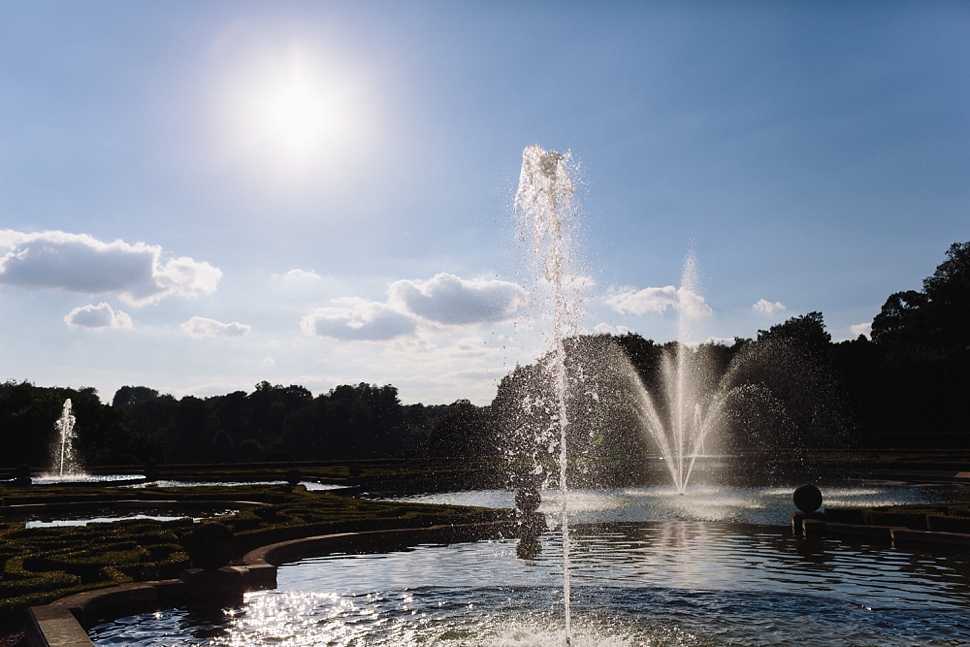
(908, 387)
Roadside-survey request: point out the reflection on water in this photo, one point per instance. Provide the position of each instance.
(82, 519)
(652, 584)
(51, 479)
(311, 486)
(759, 505)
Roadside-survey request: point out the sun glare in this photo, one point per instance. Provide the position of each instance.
(297, 111)
(301, 114)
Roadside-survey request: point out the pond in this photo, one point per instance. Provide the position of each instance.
(656, 584)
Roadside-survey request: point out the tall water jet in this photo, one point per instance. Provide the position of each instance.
(546, 216)
(65, 457)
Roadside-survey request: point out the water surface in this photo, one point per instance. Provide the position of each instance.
(758, 505)
(656, 584)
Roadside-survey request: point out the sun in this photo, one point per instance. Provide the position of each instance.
(298, 115)
(301, 112)
(296, 109)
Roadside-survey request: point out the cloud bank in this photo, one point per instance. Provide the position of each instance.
(767, 307)
(445, 299)
(202, 327)
(355, 319)
(300, 276)
(657, 300)
(82, 264)
(98, 316)
(450, 300)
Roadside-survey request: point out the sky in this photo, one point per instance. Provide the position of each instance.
(197, 197)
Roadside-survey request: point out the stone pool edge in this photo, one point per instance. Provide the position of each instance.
(814, 525)
(61, 623)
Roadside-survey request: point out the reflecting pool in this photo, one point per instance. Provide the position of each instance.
(657, 584)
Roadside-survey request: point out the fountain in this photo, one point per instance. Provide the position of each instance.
(64, 454)
(690, 405)
(546, 214)
(692, 415)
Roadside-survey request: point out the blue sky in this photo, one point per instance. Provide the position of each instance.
(200, 196)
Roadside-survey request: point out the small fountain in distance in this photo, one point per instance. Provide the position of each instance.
(64, 454)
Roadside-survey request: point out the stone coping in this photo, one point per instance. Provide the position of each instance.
(897, 536)
(295, 549)
(61, 623)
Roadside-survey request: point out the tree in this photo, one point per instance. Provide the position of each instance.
(349, 422)
(806, 333)
(462, 431)
(195, 426)
(128, 396)
(269, 405)
(897, 323)
(935, 321)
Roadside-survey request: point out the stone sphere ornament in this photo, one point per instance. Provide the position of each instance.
(807, 498)
(210, 546)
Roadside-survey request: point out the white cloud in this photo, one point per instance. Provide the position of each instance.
(269, 361)
(353, 318)
(301, 276)
(81, 263)
(768, 307)
(862, 329)
(202, 327)
(657, 300)
(99, 316)
(451, 300)
(605, 328)
(445, 299)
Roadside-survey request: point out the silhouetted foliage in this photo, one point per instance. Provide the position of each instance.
(911, 383)
(362, 421)
(935, 321)
(462, 431)
(127, 396)
(805, 334)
